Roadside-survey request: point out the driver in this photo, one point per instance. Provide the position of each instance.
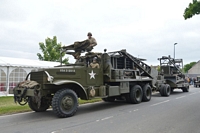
(94, 63)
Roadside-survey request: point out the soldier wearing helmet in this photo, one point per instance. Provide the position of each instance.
(92, 41)
(94, 63)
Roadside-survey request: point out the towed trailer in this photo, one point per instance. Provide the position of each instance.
(120, 76)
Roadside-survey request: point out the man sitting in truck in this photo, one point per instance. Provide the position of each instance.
(92, 41)
(94, 64)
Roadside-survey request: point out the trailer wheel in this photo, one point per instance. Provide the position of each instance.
(185, 89)
(165, 90)
(109, 99)
(136, 94)
(162, 88)
(65, 103)
(146, 93)
(34, 106)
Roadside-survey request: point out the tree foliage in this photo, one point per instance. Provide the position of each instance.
(192, 9)
(188, 66)
(51, 51)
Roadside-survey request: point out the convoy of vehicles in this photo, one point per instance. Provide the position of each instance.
(120, 76)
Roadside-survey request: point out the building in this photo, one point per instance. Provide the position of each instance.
(15, 70)
(194, 71)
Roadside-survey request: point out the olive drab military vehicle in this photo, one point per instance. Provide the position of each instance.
(119, 76)
(171, 70)
(197, 82)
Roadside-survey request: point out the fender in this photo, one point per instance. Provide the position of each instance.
(63, 82)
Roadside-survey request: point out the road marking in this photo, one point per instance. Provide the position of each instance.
(160, 103)
(57, 131)
(180, 97)
(193, 93)
(133, 110)
(107, 118)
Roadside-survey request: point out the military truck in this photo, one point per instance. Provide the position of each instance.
(120, 76)
(171, 70)
(197, 82)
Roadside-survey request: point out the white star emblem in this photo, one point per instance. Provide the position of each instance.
(92, 74)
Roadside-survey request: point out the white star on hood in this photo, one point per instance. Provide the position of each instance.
(92, 74)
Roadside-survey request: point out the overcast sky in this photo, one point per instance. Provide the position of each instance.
(146, 28)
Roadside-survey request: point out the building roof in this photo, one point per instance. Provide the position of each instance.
(20, 62)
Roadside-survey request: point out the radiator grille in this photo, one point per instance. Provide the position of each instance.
(39, 77)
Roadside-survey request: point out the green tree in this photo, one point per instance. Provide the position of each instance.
(192, 9)
(51, 51)
(188, 66)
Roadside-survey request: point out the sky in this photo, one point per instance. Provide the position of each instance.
(146, 29)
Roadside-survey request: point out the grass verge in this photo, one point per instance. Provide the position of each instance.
(8, 106)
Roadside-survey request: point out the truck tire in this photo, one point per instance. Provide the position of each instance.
(185, 89)
(109, 99)
(162, 89)
(33, 105)
(165, 90)
(136, 94)
(146, 93)
(65, 103)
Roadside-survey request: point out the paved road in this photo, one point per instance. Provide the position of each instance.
(179, 113)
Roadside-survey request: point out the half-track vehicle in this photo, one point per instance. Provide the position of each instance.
(197, 82)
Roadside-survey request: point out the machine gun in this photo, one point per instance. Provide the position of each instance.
(78, 48)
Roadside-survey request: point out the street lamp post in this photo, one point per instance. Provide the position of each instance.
(174, 49)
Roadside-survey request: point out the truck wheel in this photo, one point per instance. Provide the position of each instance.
(146, 93)
(185, 89)
(136, 94)
(165, 90)
(33, 105)
(109, 99)
(162, 88)
(65, 103)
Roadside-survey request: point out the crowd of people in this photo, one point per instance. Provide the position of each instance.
(190, 80)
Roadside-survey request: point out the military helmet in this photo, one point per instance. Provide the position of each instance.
(89, 34)
(95, 59)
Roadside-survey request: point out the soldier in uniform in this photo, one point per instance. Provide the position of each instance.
(94, 64)
(80, 47)
(92, 41)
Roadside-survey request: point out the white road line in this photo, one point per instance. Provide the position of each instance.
(193, 93)
(107, 118)
(160, 103)
(133, 110)
(180, 97)
(57, 131)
